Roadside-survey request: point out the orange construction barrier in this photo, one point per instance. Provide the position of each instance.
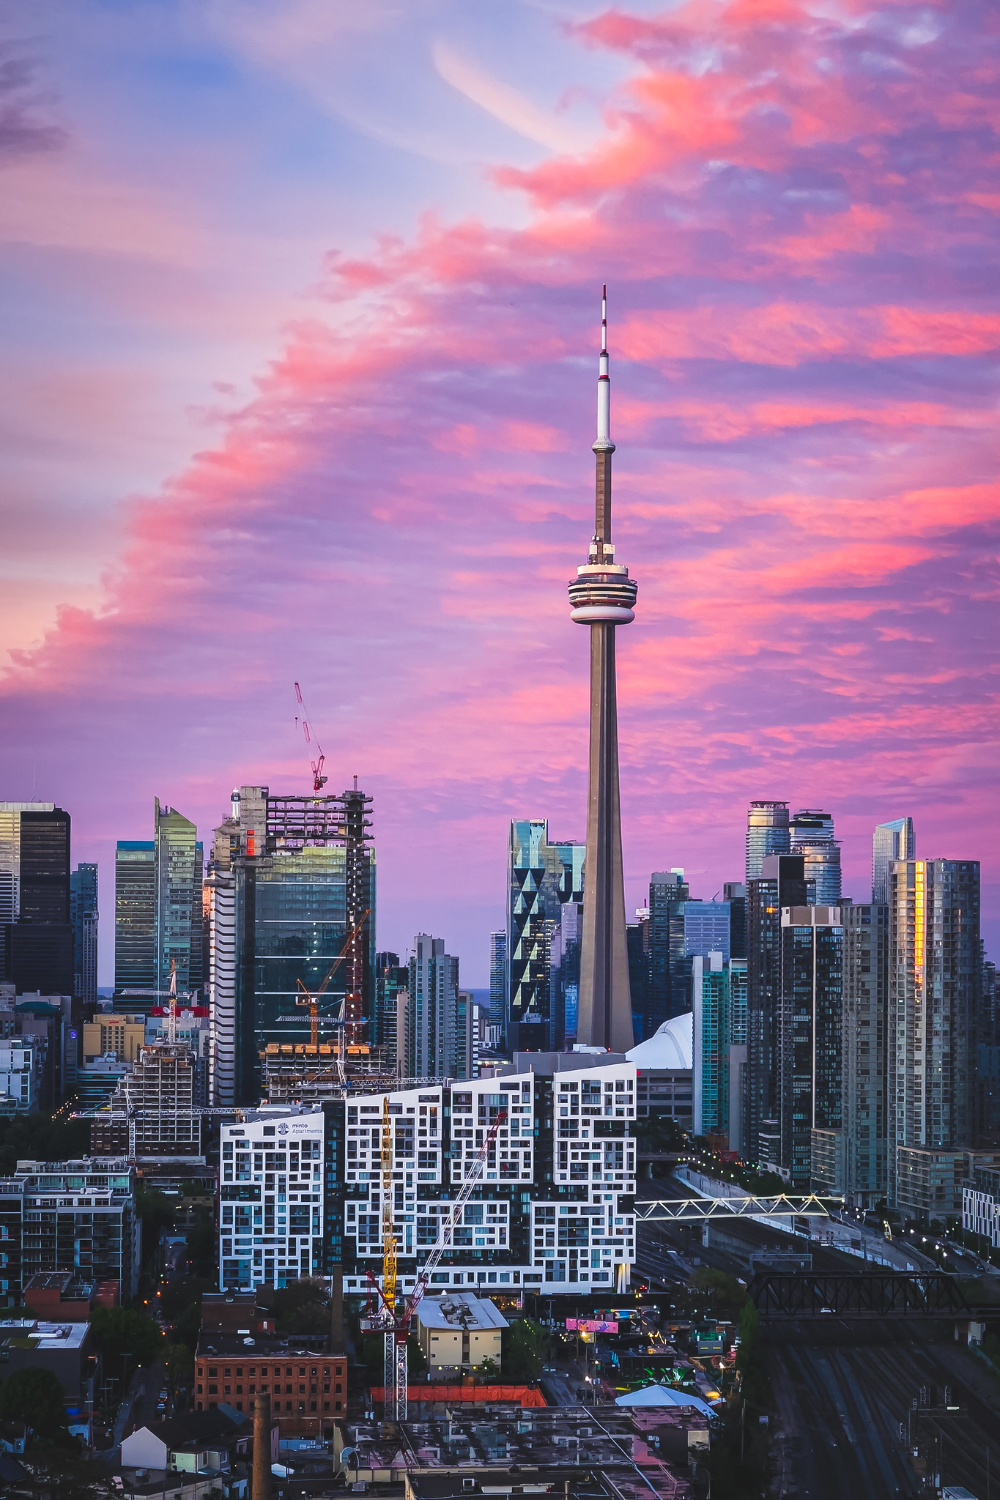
(525, 1395)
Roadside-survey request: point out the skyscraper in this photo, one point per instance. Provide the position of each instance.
(866, 982)
(811, 835)
(391, 981)
(781, 883)
(666, 992)
(36, 939)
(767, 833)
(438, 1018)
(735, 892)
(498, 979)
(603, 597)
(292, 882)
(158, 911)
(891, 842)
(935, 986)
(83, 917)
(542, 878)
(809, 1039)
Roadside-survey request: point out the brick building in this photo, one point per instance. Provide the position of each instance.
(308, 1388)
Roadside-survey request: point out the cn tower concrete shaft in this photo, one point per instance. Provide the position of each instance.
(603, 596)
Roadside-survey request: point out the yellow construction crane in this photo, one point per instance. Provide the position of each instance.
(388, 1232)
(312, 1000)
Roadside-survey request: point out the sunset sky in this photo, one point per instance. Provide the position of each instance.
(301, 302)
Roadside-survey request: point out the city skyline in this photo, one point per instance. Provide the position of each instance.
(358, 461)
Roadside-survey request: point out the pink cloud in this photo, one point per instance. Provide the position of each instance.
(804, 321)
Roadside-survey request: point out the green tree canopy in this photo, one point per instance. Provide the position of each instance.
(302, 1307)
(121, 1331)
(178, 1360)
(525, 1348)
(41, 1139)
(35, 1398)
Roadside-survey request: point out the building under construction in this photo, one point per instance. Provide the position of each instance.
(292, 934)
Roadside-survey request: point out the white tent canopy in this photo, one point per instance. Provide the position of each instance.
(662, 1395)
(670, 1046)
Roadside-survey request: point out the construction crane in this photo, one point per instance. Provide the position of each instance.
(312, 1000)
(319, 780)
(392, 1321)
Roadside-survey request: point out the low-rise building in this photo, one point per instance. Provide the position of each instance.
(457, 1333)
(63, 1348)
(930, 1181)
(20, 1075)
(79, 1216)
(981, 1205)
(62, 1297)
(307, 1384)
(110, 1035)
(216, 1443)
(500, 1450)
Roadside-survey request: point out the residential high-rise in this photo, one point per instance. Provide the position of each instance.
(269, 1236)
(153, 1112)
(391, 981)
(637, 939)
(438, 1017)
(710, 1074)
(767, 833)
(499, 980)
(83, 918)
(553, 1212)
(543, 877)
(667, 991)
(811, 835)
(891, 842)
(935, 981)
(603, 597)
(292, 903)
(735, 892)
(866, 983)
(809, 1044)
(737, 1035)
(158, 911)
(781, 883)
(36, 938)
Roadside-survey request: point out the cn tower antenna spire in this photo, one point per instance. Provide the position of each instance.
(603, 597)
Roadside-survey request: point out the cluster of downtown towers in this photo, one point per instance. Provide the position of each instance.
(848, 1046)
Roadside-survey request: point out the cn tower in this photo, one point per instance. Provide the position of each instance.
(603, 597)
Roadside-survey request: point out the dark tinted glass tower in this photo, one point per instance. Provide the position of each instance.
(603, 597)
(809, 1039)
(735, 892)
(84, 916)
(811, 835)
(135, 916)
(666, 994)
(37, 939)
(781, 883)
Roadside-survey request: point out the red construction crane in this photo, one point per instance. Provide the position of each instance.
(319, 780)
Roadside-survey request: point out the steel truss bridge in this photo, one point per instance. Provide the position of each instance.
(876, 1293)
(699, 1210)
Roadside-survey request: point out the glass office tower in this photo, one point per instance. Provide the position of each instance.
(890, 842)
(809, 1041)
(158, 911)
(542, 878)
(767, 833)
(83, 918)
(811, 835)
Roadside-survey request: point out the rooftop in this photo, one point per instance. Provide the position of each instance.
(33, 1333)
(505, 1435)
(217, 1344)
(460, 1311)
(617, 1482)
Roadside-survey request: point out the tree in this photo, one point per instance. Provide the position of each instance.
(202, 1246)
(416, 1359)
(41, 1138)
(35, 1398)
(119, 1332)
(712, 1294)
(302, 1307)
(488, 1370)
(178, 1360)
(525, 1347)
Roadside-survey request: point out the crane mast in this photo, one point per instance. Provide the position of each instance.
(393, 1321)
